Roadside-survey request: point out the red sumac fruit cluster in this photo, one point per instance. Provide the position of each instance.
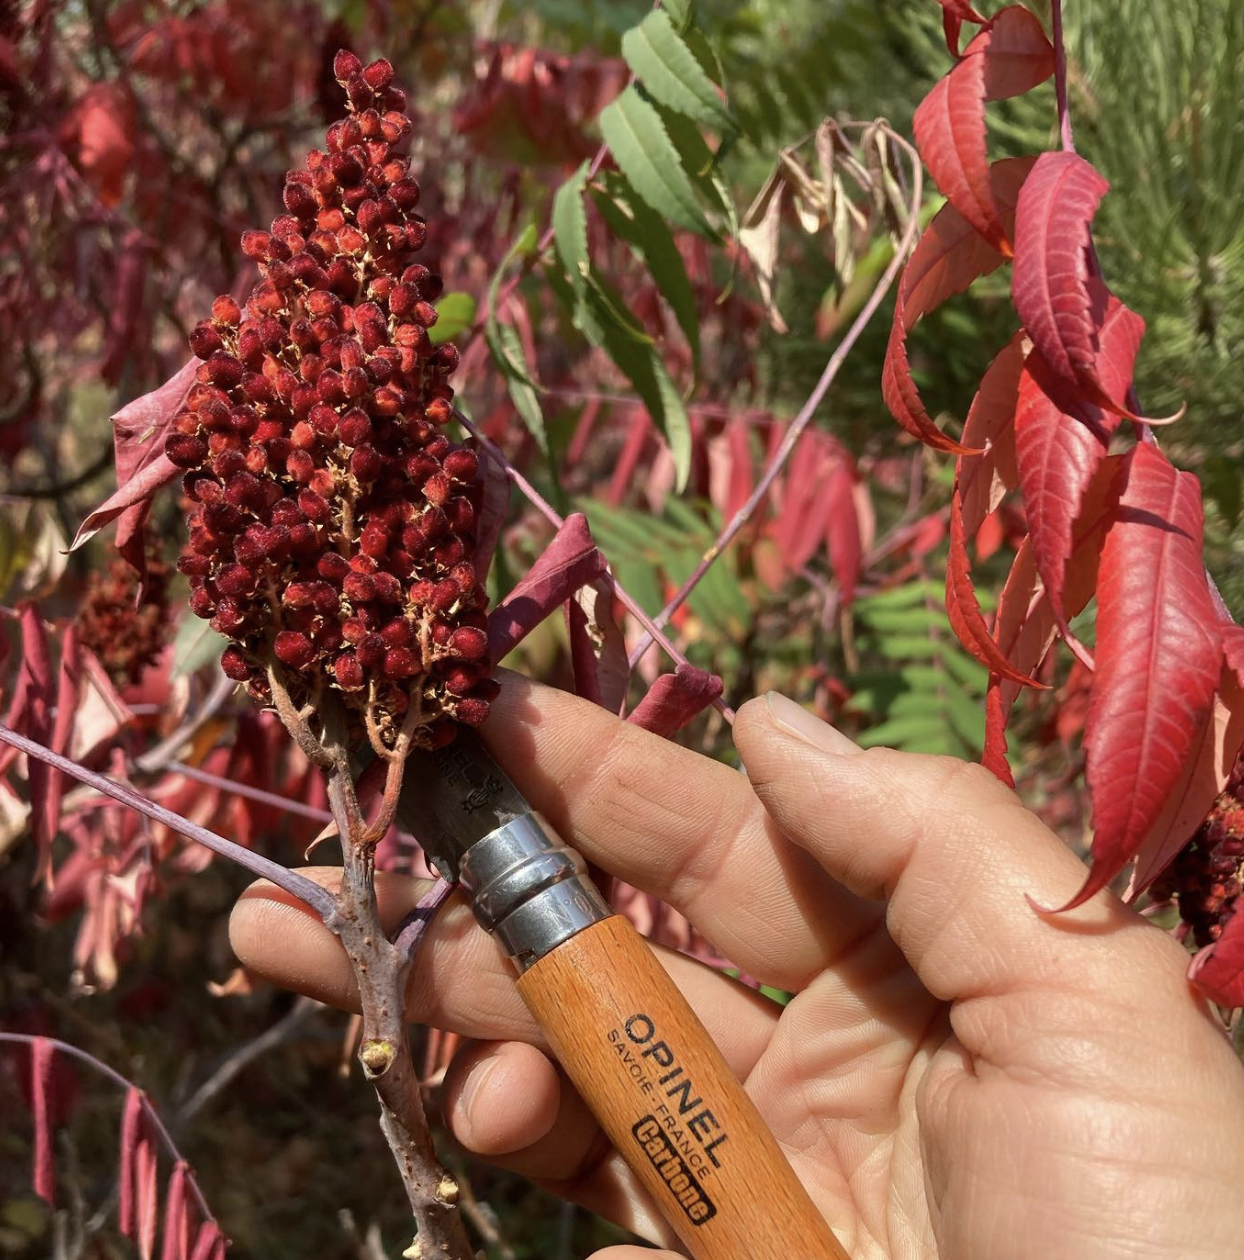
(333, 533)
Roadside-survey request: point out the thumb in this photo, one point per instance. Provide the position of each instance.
(951, 850)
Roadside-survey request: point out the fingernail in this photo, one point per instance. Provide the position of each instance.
(473, 1086)
(795, 720)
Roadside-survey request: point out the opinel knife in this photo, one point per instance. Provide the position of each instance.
(620, 1028)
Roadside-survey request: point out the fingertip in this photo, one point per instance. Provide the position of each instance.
(790, 720)
(501, 1097)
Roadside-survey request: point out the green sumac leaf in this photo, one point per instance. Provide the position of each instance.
(570, 227)
(511, 364)
(672, 74)
(642, 148)
(509, 352)
(195, 646)
(609, 305)
(455, 314)
(632, 221)
(682, 12)
(642, 366)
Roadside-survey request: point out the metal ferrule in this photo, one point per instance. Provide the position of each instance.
(529, 890)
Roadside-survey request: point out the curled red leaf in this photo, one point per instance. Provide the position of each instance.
(1010, 56)
(569, 561)
(963, 608)
(176, 1241)
(131, 1136)
(1218, 970)
(1159, 654)
(948, 258)
(138, 433)
(985, 477)
(675, 699)
(42, 1056)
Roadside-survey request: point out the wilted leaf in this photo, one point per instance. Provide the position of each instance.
(32, 550)
(138, 433)
(597, 646)
(759, 233)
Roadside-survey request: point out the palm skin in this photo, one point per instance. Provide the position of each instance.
(958, 1075)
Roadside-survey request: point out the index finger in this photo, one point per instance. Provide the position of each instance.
(676, 824)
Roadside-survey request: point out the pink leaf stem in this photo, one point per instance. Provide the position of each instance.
(319, 899)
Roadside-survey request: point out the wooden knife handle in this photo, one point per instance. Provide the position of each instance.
(673, 1109)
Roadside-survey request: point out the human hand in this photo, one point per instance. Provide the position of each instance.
(956, 1077)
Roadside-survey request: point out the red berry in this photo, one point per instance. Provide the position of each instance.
(348, 672)
(469, 643)
(293, 649)
(234, 664)
(400, 663)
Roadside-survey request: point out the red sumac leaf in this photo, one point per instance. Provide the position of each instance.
(1159, 649)
(984, 478)
(800, 524)
(146, 1193)
(1010, 56)
(964, 610)
(494, 495)
(31, 713)
(1058, 454)
(176, 1242)
(569, 561)
(1062, 304)
(675, 699)
(954, 14)
(138, 433)
(209, 1242)
(948, 258)
(1218, 971)
(993, 757)
(903, 399)
(842, 526)
(1233, 649)
(1204, 777)
(598, 653)
(131, 1137)
(951, 254)
(42, 1054)
(67, 691)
